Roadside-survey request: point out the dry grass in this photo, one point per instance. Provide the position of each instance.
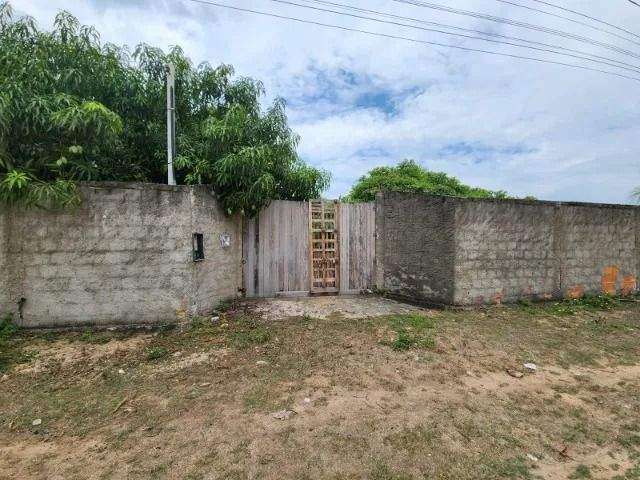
(411, 396)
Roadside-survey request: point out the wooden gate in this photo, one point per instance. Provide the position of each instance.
(324, 256)
(297, 248)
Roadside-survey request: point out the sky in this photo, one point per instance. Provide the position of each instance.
(360, 101)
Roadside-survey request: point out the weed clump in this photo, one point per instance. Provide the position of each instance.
(8, 354)
(572, 306)
(412, 331)
(156, 353)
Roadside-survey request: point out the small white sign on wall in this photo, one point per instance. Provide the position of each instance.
(225, 240)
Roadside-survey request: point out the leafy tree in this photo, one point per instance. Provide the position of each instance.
(408, 176)
(74, 109)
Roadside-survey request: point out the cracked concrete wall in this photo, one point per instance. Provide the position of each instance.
(123, 257)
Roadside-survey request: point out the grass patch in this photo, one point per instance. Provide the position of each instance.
(95, 338)
(7, 327)
(156, 353)
(571, 306)
(412, 331)
(515, 468)
(10, 351)
(247, 332)
(581, 471)
(413, 440)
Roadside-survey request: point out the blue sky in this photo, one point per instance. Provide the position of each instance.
(360, 101)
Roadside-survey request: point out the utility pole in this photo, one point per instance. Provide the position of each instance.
(171, 122)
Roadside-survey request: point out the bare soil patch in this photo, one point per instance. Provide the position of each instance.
(378, 390)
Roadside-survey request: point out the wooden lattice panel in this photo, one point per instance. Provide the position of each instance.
(323, 220)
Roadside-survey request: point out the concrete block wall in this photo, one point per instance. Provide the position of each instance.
(504, 251)
(601, 248)
(123, 257)
(493, 251)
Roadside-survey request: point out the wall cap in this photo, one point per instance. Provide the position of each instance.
(513, 201)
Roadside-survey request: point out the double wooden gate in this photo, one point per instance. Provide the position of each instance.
(297, 248)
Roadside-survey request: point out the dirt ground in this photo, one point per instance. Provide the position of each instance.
(331, 388)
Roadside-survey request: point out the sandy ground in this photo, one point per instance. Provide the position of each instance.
(331, 388)
(323, 307)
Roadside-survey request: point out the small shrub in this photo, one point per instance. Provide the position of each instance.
(155, 353)
(7, 327)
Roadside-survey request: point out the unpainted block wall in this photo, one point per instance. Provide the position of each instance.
(504, 251)
(475, 251)
(601, 248)
(124, 256)
(4, 267)
(508, 250)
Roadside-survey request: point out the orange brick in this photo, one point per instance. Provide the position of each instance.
(629, 285)
(610, 280)
(577, 291)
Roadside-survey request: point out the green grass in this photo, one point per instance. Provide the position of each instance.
(412, 331)
(156, 353)
(570, 307)
(10, 351)
(248, 332)
(7, 327)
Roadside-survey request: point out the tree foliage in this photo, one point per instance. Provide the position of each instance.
(408, 176)
(75, 109)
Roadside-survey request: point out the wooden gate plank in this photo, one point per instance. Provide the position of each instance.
(277, 249)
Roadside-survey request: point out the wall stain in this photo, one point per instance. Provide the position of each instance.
(497, 298)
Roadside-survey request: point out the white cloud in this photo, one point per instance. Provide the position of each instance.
(525, 127)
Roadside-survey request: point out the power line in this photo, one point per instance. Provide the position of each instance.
(569, 19)
(549, 4)
(517, 24)
(412, 40)
(581, 56)
(635, 3)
